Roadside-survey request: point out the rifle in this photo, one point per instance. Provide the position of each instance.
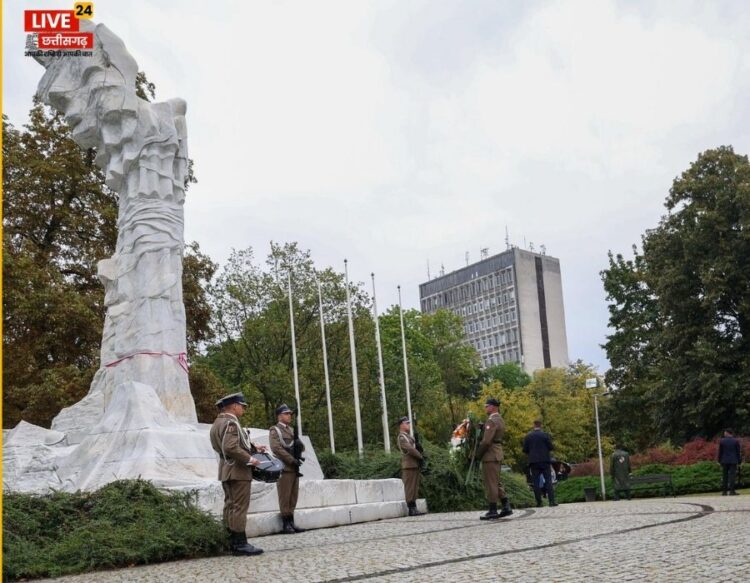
(297, 449)
(470, 471)
(424, 468)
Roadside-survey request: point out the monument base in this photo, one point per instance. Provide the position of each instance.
(136, 438)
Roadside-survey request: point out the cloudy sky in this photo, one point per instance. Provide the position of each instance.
(399, 132)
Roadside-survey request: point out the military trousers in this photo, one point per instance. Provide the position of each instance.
(288, 490)
(410, 477)
(493, 487)
(236, 503)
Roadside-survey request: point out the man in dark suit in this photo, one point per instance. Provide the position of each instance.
(537, 445)
(730, 456)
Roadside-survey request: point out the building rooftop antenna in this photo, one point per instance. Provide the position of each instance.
(507, 238)
(543, 248)
(442, 270)
(466, 256)
(428, 270)
(484, 252)
(531, 246)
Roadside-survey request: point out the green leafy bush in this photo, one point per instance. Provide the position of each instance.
(443, 487)
(694, 479)
(127, 522)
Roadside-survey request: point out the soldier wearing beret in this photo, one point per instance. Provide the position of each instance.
(234, 447)
(281, 438)
(490, 451)
(410, 465)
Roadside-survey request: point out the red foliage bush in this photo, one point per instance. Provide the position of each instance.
(587, 468)
(654, 455)
(697, 450)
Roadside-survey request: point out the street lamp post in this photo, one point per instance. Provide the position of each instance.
(592, 383)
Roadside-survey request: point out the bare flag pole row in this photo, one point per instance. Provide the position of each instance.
(355, 381)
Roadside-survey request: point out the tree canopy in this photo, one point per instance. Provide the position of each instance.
(680, 311)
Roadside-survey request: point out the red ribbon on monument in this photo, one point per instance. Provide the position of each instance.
(181, 358)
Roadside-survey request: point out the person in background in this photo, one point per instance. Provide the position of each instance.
(620, 471)
(730, 456)
(537, 445)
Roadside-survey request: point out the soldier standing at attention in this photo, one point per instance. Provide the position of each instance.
(232, 444)
(281, 438)
(491, 453)
(410, 462)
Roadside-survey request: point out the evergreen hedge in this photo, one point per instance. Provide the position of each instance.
(125, 523)
(693, 479)
(443, 487)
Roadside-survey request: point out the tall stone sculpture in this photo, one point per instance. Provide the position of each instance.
(142, 148)
(138, 419)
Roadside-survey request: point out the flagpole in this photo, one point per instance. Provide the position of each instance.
(355, 382)
(406, 365)
(325, 370)
(386, 434)
(294, 353)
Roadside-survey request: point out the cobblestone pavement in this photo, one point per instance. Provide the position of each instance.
(668, 539)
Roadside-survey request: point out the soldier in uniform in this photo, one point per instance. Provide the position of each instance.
(233, 445)
(281, 438)
(620, 469)
(491, 453)
(410, 465)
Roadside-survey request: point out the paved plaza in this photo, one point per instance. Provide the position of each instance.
(669, 539)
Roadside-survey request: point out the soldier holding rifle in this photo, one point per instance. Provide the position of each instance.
(490, 451)
(287, 446)
(411, 460)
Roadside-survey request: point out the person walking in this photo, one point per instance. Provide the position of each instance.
(234, 447)
(410, 465)
(490, 451)
(537, 446)
(281, 438)
(730, 456)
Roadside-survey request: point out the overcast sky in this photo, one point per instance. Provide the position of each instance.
(395, 133)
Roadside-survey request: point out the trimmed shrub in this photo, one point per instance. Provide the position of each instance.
(127, 522)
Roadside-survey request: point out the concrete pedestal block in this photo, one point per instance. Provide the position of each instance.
(321, 493)
(377, 511)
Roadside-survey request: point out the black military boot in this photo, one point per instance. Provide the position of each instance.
(287, 527)
(240, 546)
(413, 509)
(506, 511)
(491, 513)
(294, 526)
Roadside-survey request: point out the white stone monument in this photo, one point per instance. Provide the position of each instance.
(138, 419)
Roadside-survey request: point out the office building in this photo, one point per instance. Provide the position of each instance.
(512, 307)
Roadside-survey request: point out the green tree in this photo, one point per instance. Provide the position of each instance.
(253, 351)
(688, 315)
(510, 374)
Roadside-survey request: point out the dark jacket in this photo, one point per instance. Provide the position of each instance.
(729, 451)
(536, 445)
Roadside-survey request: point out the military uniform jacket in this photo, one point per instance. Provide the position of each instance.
(233, 455)
(490, 449)
(281, 438)
(409, 455)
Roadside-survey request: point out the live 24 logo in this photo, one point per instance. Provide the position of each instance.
(59, 29)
